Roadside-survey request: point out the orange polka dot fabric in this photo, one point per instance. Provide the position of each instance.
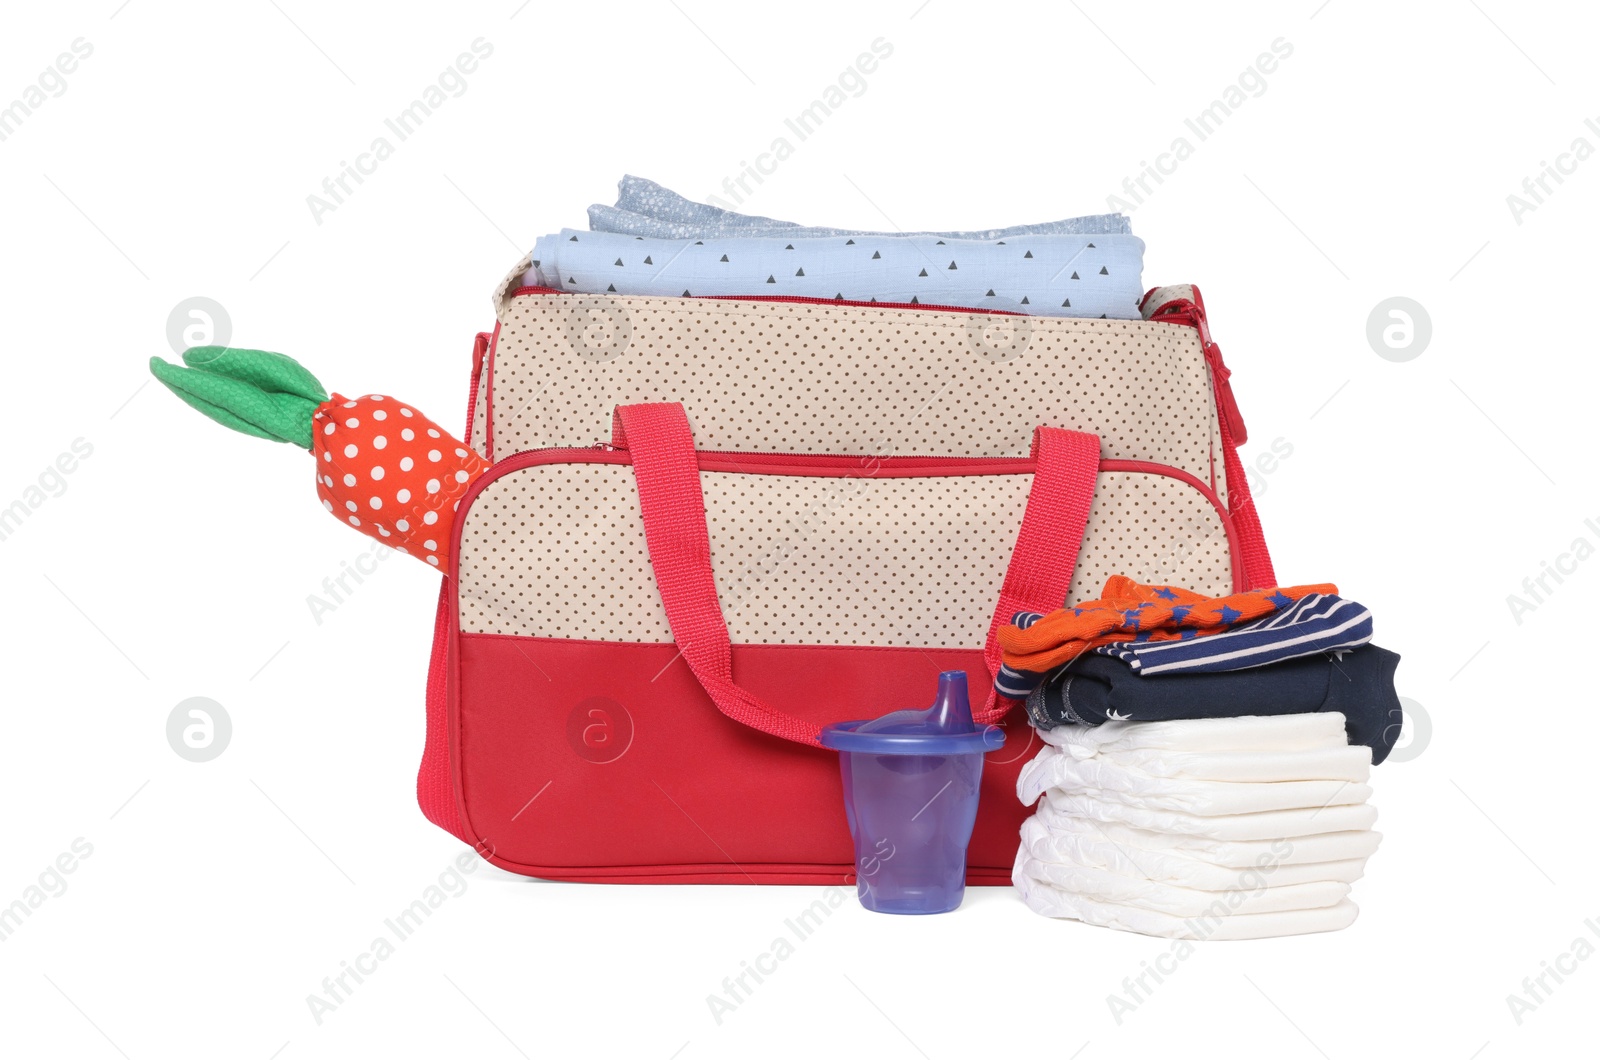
(392, 473)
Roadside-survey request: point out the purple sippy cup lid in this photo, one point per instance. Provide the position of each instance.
(945, 728)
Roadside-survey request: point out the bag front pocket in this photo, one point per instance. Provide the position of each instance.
(582, 745)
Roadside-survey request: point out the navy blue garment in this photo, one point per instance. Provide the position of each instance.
(1359, 684)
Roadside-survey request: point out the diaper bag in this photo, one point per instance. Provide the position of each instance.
(713, 525)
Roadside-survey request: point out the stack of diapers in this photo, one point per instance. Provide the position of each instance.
(655, 242)
(1211, 828)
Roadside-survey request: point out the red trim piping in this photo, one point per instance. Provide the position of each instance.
(488, 397)
(480, 347)
(847, 648)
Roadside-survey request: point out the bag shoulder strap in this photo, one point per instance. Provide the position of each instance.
(660, 444)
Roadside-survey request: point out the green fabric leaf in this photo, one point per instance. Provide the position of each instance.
(255, 392)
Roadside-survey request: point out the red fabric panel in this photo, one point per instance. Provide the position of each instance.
(591, 760)
(435, 789)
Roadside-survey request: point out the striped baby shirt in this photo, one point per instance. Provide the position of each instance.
(1312, 624)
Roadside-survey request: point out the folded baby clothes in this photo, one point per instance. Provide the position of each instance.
(645, 208)
(1358, 684)
(1108, 782)
(1310, 626)
(1256, 894)
(1072, 276)
(1138, 843)
(1217, 924)
(1033, 645)
(1182, 868)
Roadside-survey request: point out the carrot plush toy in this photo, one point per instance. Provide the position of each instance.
(382, 466)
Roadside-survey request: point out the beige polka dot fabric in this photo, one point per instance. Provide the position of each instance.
(1154, 529)
(558, 550)
(826, 378)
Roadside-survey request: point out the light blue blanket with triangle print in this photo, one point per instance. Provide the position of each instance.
(1089, 275)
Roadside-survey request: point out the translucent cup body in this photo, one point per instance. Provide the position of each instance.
(910, 818)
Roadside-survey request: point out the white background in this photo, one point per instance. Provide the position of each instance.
(179, 558)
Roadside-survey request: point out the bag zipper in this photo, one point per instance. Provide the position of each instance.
(774, 461)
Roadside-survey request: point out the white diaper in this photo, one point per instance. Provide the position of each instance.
(1248, 893)
(1270, 824)
(1352, 763)
(1183, 868)
(1287, 732)
(1099, 779)
(1233, 854)
(1054, 902)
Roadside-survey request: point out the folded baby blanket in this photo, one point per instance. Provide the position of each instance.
(1217, 924)
(1104, 781)
(1181, 867)
(1358, 684)
(645, 208)
(1033, 645)
(1250, 891)
(1075, 276)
